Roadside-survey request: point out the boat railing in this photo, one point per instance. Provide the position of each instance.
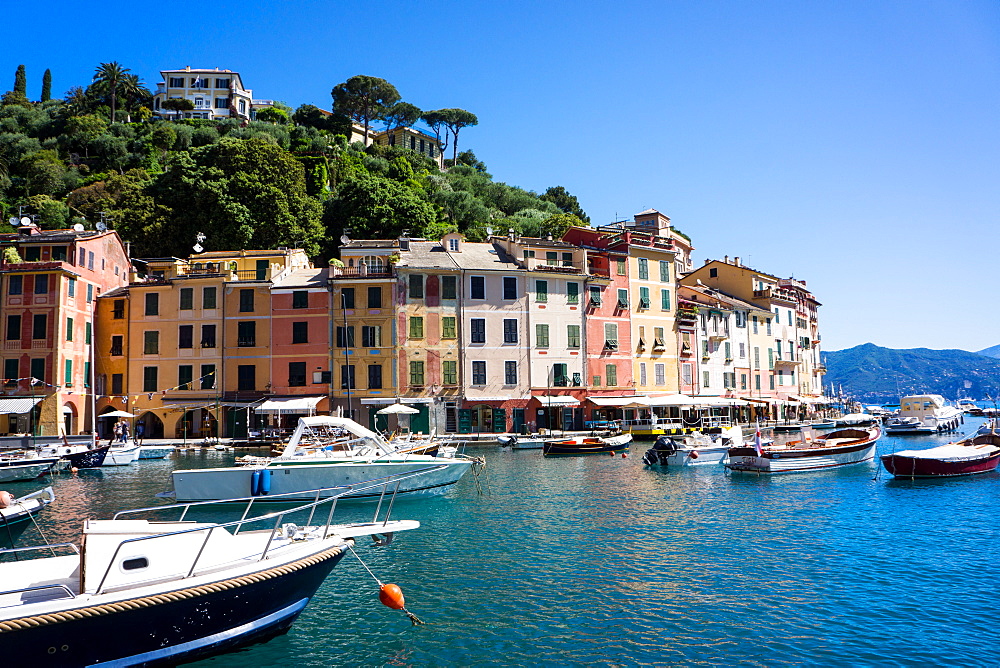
(384, 483)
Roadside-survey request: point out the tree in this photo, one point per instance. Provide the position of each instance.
(565, 201)
(108, 79)
(363, 99)
(273, 115)
(558, 224)
(47, 86)
(436, 121)
(134, 94)
(177, 105)
(21, 82)
(456, 119)
(401, 115)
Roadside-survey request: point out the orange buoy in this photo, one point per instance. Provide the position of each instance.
(74, 470)
(694, 454)
(391, 596)
(624, 455)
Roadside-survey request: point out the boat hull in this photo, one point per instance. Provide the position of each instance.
(686, 456)
(842, 448)
(587, 446)
(121, 456)
(25, 471)
(921, 467)
(290, 478)
(90, 459)
(173, 627)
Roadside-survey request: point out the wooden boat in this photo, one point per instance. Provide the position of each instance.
(149, 588)
(586, 445)
(978, 454)
(78, 456)
(843, 447)
(16, 514)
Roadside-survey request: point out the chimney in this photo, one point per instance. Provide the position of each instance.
(404, 243)
(510, 234)
(725, 259)
(736, 261)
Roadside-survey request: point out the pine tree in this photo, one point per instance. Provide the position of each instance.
(47, 86)
(21, 82)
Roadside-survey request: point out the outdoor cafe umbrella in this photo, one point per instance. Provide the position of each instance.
(398, 409)
(116, 414)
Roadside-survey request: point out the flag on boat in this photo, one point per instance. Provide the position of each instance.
(756, 442)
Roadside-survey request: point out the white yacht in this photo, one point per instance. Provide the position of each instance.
(924, 414)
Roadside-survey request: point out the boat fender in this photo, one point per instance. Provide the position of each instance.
(624, 455)
(265, 482)
(255, 483)
(6, 499)
(694, 454)
(391, 596)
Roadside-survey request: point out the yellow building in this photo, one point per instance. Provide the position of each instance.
(214, 93)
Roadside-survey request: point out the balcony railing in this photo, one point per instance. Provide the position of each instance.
(377, 271)
(12, 345)
(37, 344)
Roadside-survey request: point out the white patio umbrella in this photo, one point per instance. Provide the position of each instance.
(123, 414)
(397, 409)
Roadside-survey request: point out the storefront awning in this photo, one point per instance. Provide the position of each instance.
(560, 400)
(289, 405)
(673, 400)
(719, 401)
(631, 402)
(18, 405)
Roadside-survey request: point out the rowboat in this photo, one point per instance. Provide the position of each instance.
(978, 454)
(843, 447)
(16, 514)
(586, 445)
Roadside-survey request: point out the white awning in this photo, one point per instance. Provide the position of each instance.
(18, 405)
(619, 401)
(289, 405)
(673, 400)
(719, 401)
(559, 400)
(393, 400)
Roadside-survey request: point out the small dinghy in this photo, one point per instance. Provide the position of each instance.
(979, 454)
(16, 513)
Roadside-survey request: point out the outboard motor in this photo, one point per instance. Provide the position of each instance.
(661, 450)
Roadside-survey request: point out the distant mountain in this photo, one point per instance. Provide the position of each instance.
(872, 373)
(993, 351)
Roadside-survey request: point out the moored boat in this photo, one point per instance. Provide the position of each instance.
(516, 442)
(978, 454)
(843, 447)
(155, 451)
(140, 591)
(78, 456)
(121, 455)
(710, 447)
(22, 466)
(587, 445)
(924, 414)
(16, 513)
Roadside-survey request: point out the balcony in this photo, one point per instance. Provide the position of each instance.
(554, 266)
(762, 294)
(39, 344)
(12, 345)
(786, 362)
(48, 265)
(364, 271)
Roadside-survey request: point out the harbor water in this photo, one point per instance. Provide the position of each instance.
(602, 561)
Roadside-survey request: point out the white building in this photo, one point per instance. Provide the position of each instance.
(215, 94)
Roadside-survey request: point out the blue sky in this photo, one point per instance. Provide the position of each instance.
(853, 145)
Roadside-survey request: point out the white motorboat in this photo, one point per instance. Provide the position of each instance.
(165, 585)
(326, 451)
(843, 447)
(516, 442)
(16, 513)
(924, 414)
(121, 455)
(696, 448)
(23, 465)
(856, 420)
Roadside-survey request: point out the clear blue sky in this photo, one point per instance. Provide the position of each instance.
(853, 145)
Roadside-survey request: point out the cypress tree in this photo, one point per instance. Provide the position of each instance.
(47, 86)
(21, 82)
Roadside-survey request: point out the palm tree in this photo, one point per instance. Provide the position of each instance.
(134, 93)
(109, 77)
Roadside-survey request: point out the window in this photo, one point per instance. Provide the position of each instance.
(756, 381)
(643, 269)
(661, 374)
(417, 286)
(573, 336)
(778, 343)
(375, 297)
(208, 336)
(664, 271)
(177, 82)
(116, 346)
(71, 287)
(37, 368)
(246, 377)
(222, 103)
(572, 293)
(246, 334)
(187, 299)
(729, 351)
(208, 298)
(705, 349)
(300, 332)
(88, 330)
(611, 336)
(477, 287)
(151, 343)
(611, 374)
(374, 376)
(756, 358)
(743, 350)
(567, 259)
(185, 336)
(117, 382)
(620, 269)
(13, 327)
(68, 380)
(741, 318)
(479, 373)
(152, 304)
(452, 243)
(477, 330)
(705, 377)
(246, 300)
(560, 375)
(541, 291)
(149, 381)
(15, 284)
(222, 83)
(659, 341)
(449, 287)
(755, 324)
(185, 374)
(642, 373)
(416, 327)
(643, 298)
(595, 296)
(510, 330)
(371, 336)
(770, 381)
(622, 298)
(448, 329)
(83, 256)
(207, 376)
(42, 284)
(743, 381)
(509, 288)
(664, 300)
(416, 374)
(551, 258)
(297, 374)
(768, 322)
(347, 298)
(541, 336)
(300, 299)
(345, 337)
(510, 373)
(449, 372)
(69, 329)
(90, 292)
(90, 260)
(770, 358)
(39, 326)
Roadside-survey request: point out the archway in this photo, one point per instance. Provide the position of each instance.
(152, 425)
(69, 419)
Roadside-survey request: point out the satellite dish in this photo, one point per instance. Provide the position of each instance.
(489, 231)
(78, 227)
(197, 248)
(344, 239)
(101, 226)
(25, 220)
(14, 221)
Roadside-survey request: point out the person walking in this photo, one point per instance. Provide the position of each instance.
(124, 431)
(140, 430)
(117, 432)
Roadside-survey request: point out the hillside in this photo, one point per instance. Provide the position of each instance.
(992, 351)
(873, 373)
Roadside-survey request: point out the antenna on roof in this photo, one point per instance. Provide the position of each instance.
(13, 220)
(77, 227)
(101, 226)
(197, 248)
(489, 231)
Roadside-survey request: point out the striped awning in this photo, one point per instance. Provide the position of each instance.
(17, 405)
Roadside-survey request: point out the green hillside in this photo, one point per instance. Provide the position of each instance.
(873, 373)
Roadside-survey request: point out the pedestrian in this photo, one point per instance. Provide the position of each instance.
(140, 430)
(124, 431)
(117, 432)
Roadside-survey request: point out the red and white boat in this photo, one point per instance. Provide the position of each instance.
(979, 454)
(843, 447)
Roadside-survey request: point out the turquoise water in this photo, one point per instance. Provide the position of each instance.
(600, 561)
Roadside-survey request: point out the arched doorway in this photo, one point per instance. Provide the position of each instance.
(152, 425)
(197, 423)
(69, 419)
